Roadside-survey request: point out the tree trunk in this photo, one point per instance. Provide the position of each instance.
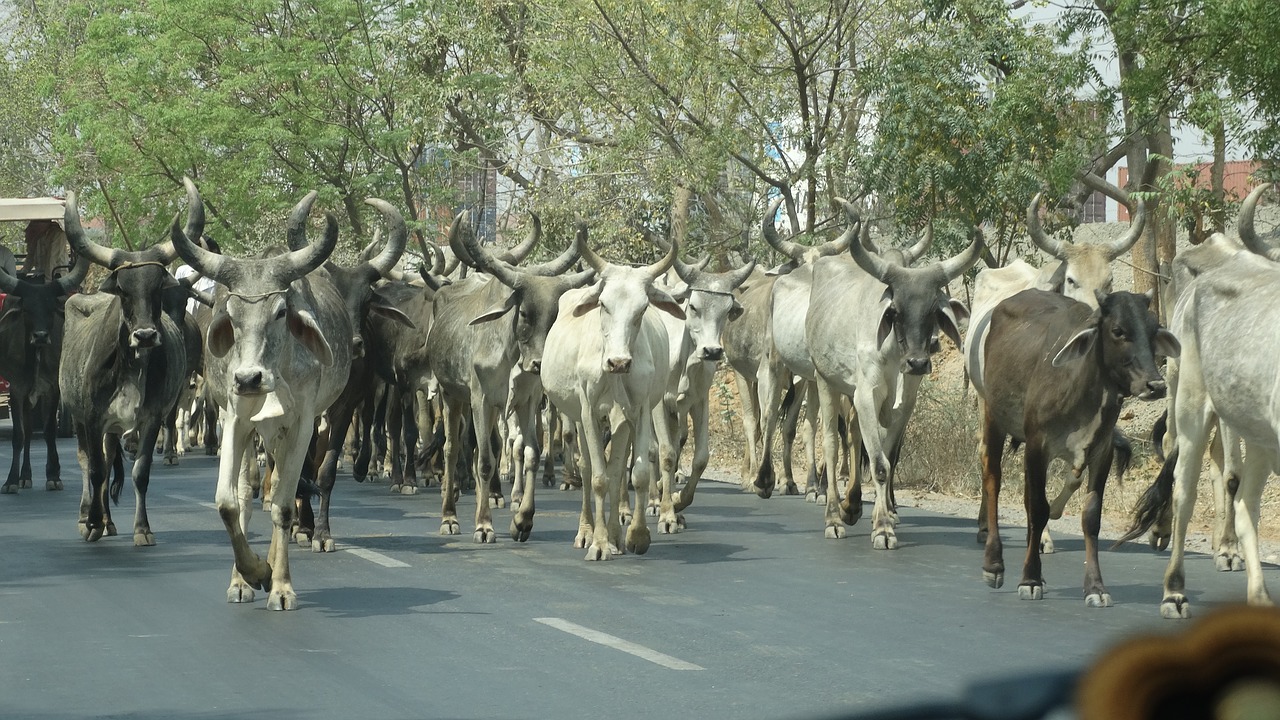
(1158, 243)
(1216, 176)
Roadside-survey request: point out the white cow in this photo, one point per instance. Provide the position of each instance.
(606, 356)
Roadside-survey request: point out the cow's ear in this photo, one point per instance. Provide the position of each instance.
(680, 292)
(1077, 347)
(390, 312)
(589, 299)
(12, 314)
(664, 302)
(497, 311)
(736, 311)
(1166, 344)
(1058, 279)
(949, 315)
(303, 326)
(109, 285)
(221, 335)
(888, 313)
(958, 309)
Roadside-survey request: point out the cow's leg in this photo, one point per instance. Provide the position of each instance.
(249, 571)
(1227, 462)
(700, 416)
(18, 404)
(410, 434)
(52, 465)
(750, 425)
(828, 406)
(453, 429)
(340, 419)
(851, 504)
(664, 427)
(867, 399)
(170, 436)
(526, 415)
(364, 448)
(595, 499)
(290, 453)
(1253, 477)
(768, 399)
(810, 423)
(210, 416)
(142, 535)
(1194, 421)
(395, 442)
(619, 462)
(494, 442)
(992, 451)
(586, 518)
(549, 421)
(483, 417)
(1036, 503)
(1095, 593)
(93, 500)
(638, 537)
(790, 410)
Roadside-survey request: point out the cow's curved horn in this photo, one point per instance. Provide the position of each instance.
(195, 213)
(517, 254)
(688, 272)
(74, 276)
(9, 283)
(396, 240)
(450, 263)
(209, 264)
(1121, 245)
(596, 262)
(871, 262)
(437, 258)
(579, 279)
(1053, 246)
(864, 237)
(661, 266)
(311, 255)
(954, 267)
(842, 243)
(740, 274)
(104, 256)
(558, 266)
(296, 230)
(769, 228)
(915, 252)
(464, 241)
(1248, 235)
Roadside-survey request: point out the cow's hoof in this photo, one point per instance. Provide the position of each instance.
(497, 501)
(595, 553)
(764, 493)
(638, 540)
(9, 489)
(91, 534)
(653, 510)
(1228, 562)
(1097, 600)
(144, 538)
(485, 535)
(25, 483)
(449, 527)
(582, 539)
(302, 537)
(170, 460)
(791, 489)
(820, 498)
(282, 600)
(1175, 607)
(1030, 592)
(1046, 546)
(110, 529)
(323, 545)
(624, 517)
(835, 532)
(669, 525)
(1158, 541)
(548, 481)
(884, 541)
(53, 485)
(240, 592)
(993, 579)
(520, 531)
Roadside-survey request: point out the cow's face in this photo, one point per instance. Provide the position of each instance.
(253, 330)
(915, 312)
(35, 311)
(1086, 272)
(705, 316)
(623, 294)
(141, 288)
(1128, 338)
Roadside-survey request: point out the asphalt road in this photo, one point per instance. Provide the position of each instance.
(750, 613)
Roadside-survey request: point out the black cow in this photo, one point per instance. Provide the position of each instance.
(30, 347)
(1056, 373)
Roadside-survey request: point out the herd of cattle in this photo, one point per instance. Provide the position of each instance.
(621, 359)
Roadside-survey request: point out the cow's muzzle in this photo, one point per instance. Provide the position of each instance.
(917, 365)
(713, 353)
(40, 338)
(1154, 390)
(143, 338)
(250, 381)
(533, 367)
(618, 365)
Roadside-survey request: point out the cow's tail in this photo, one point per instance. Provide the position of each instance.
(1123, 457)
(1154, 502)
(117, 475)
(1158, 431)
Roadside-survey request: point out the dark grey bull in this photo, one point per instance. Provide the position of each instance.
(1056, 374)
(31, 332)
(279, 352)
(124, 364)
(486, 328)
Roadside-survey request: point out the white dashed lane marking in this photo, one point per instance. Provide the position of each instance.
(197, 501)
(618, 643)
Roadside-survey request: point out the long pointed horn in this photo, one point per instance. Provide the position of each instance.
(211, 265)
(302, 261)
(596, 262)
(842, 243)
(396, 239)
(689, 273)
(865, 238)
(956, 266)
(740, 275)
(104, 256)
(558, 266)
(195, 211)
(465, 241)
(1248, 234)
(661, 266)
(74, 276)
(1121, 245)
(871, 262)
(1053, 246)
(769, 228)
(915, 252)
(517, 254)
(296, 230)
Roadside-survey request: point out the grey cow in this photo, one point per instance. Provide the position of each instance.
(124, 364)
(279, 353)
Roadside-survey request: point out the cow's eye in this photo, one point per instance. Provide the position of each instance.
(1072, 282)
(1117, 333)
(281, 312)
